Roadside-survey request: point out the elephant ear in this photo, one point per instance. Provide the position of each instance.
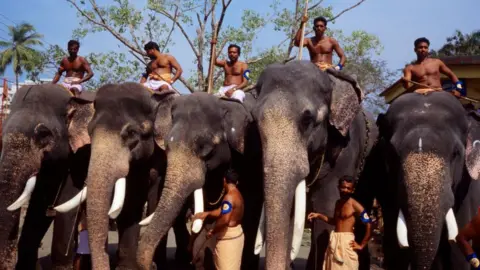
(472, 155)
(346, 100)
(163, 117)
(235, 122)
(80, 111)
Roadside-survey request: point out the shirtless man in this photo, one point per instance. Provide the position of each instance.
(321, 47)
(158, 75)
(227, 228)
(426, 71)
(236, 74)
(471, 231)
(75, 66)
(340, 253)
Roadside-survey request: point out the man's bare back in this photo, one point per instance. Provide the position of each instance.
(470, 232)
(234, 197)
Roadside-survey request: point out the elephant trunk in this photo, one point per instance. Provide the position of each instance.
(185, 173)
(285, 165)
(109, 161)
(428, 206)
(18, 165)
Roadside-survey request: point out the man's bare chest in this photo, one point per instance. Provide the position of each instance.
(161, 63)
(75, 65)
(233, 70)
(425, 70)
(322, 46)
(344, 212)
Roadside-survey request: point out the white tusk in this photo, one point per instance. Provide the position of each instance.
(402, 231)
(146, 221)
(452, 226)
(198, 208)
(118, 198)
(299, 219)
(72, 203)
(260, 240)
(25, 196)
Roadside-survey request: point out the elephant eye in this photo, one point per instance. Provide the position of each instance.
(307, 120)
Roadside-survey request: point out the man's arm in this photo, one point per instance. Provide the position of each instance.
(86, 66)
(60, 70)
(446, 71)
(244, 80)
(466, 234)
(225, 215)
(323, 217)
(366, 220)
(340, 53)
(298, 35)
(407, 77)
(178, 69)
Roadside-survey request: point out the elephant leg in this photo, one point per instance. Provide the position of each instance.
(251, 219)
(182, 236)
(395, 258)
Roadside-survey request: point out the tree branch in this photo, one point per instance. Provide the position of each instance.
(315, 5)
(346, 10)
(107, 27)
(171, 30)
(187, 84)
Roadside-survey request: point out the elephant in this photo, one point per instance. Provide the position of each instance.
(209, 135)
(43, 154)
(128, 161)
(313, 131)
(426, 162)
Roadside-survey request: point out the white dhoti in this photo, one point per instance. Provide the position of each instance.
(237, 94)
(156, 84)
(72, 82)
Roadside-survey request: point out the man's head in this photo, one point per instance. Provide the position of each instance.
(231, 177)
(150, 48)
(73, 47)
(346, 186)
(233, 52)
(319, 25)
(421, 47)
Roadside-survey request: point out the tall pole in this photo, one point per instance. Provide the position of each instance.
(302, 38)
(212, 61)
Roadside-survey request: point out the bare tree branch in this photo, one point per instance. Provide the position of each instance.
(107, 27)
(346, 10)
(139, 59)
(171, 30)
(187, 84)
(315, 5)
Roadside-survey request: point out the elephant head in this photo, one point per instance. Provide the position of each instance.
(299, 111)
(38, 135)
(428, 142)
(128, 122)
(205, 132)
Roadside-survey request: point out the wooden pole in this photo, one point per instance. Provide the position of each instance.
(212, 62)
(302, 38)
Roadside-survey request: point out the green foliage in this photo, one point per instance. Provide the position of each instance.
(460, 44)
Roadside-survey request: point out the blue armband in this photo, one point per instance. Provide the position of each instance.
(473, 260)
(226, 207)
(246, 74)
(144, 75)
(340, 67)
(364, 217)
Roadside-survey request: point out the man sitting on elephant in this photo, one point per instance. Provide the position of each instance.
(236, 74)
(470, 232)
(320, 46)
(75, 66)
(158, 75)
(423, 76)
(228, 229)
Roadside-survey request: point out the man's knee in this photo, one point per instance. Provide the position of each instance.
(164, 87)
(239, 95)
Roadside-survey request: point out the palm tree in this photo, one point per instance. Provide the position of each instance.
(20, 51)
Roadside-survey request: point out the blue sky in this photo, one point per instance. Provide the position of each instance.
(396, 23)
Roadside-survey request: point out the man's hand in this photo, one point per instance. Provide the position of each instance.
(355, 246)
(210, 234)
(339, 67)
(201, 215)
(312, 216)
(473, 260)
(304, 19)
(456, 93)
(213, 41)
(229, 93)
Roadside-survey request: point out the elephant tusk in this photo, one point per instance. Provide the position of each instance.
(25, 196)
(118, 198)
(259, 241)
(72, 203)
(452, 226)
(402, 231)
(198, 208)
(299, 219)
(147, 220)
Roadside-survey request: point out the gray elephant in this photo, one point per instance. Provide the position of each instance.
(127, 159)
(312, 128)
(43, 154)
(208, 136)
(424, 163)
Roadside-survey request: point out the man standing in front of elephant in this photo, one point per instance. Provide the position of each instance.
(423, 76)
(471, 231)
(158, 75)
(320, 46)
(75, 66)
(228, 229)
(341, 251)
(236, 74)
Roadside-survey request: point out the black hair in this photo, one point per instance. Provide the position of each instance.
(73, 42)
(420, 40)
(320, 19)
(235, 46)
(347, 178)
(231, 177)
(151, 45)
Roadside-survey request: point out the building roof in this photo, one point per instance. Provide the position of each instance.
(449, 61)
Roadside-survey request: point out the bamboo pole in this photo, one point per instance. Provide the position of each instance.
(302, 38)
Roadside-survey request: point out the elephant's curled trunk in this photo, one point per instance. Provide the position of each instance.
(185, 173)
